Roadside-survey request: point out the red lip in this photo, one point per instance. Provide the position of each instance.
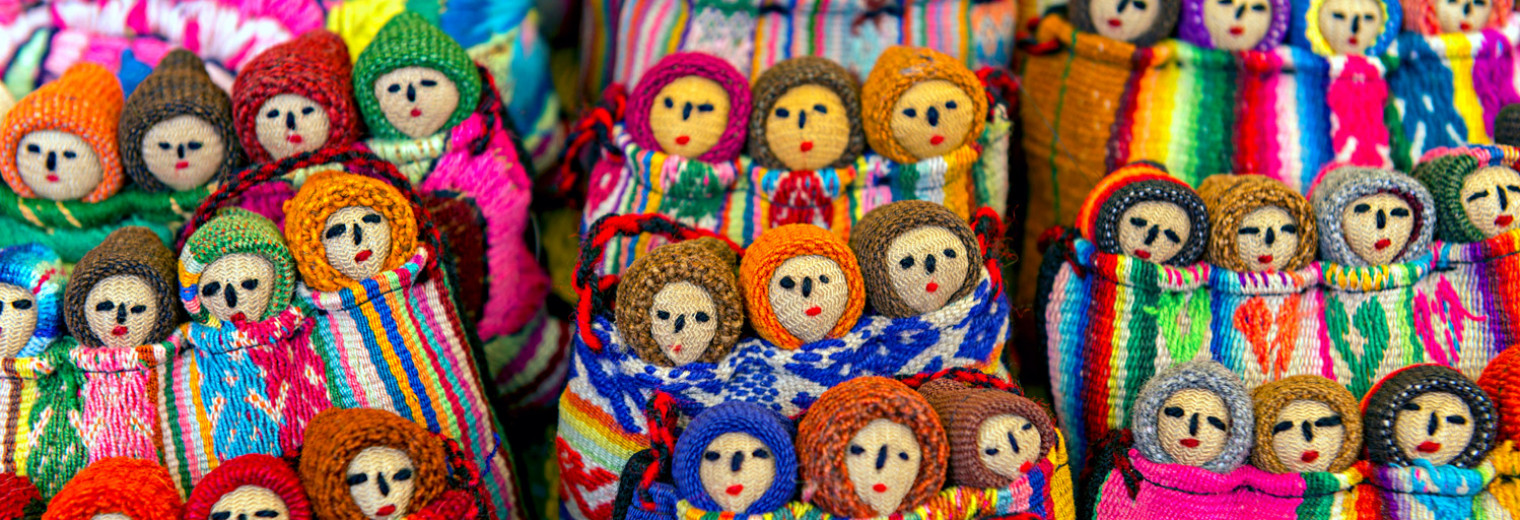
(1237, 30)
(936, 140)
(119, 330)
(1265, 259)
(1382, 244)
(1024, 468)
(879, 488)
(385, 511)
(181, 165)
(416, 112)
(1114, 22)
(52, 177)
(1309, 457)
(682, 140)
(1466, 26)
(294, 139)
(363, 255)
(1143, 254)
(1352, 41)
(807, 146)
(1503, 220)
(1189, 443)
(1429, 447)
(675, 348)
(239, 317)
(814, 310)
(931, 287)
(734, 490)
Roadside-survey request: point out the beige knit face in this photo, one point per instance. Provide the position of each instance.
(183, 152)
(250, 503)
(417, 100)
(1463, 15)
(1154, 231)
(1377, 227)
(237, 287)
(1008, 444)
(357, 240)
(289, 124)
(1307, 436)
(18, 319)
(807, 128)
(1267, 239)
(736, 470)
(689, 116)
(932, 118)
(883, 461)
(58, 165)
(1193, 426)
(1236, 25)
(1123, 20)
(1491, 199)
(121, 310)
(809, 295)
(683, 321)
(927, 266)
(1351, 26)
(381, 481)
(1435, 426)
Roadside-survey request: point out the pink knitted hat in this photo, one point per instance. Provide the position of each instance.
(674, 67)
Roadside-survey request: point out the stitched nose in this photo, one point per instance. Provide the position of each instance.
(385, 488)
(1433, 425)
(52, 161)
(411, 93)
(1240, 12)
(1503, 199)
(121, 315)
(1467, 9)
(1308, 431)
(358, 234)
(1193, 426)
(933, 116)
(1356, 25)
(290, 120)
(1013, 442)
(1382, 219)
(231, 295)
(1271, 236)
(686, 111)
(680, 323)
(801, 119)
(1150, 236)
(807, 287)
(881, 458)
(929, 264)
(737, 462)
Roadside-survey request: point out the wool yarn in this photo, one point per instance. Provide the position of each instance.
(1200, 374)
(272, 474)
(683, 64)
(179, 86)
(336, 437)
(1422, 16)
(19, 499)
(324, 194)
(133, 251)
(137, 489)
(314, 65)
(85, 102)
(1271, 398)
(1501, 381)
(773, 249)
(1099, 217)
(963, 411)
(1507, 125)
(706, 263)
(409, 40)
(1081, 12)
(1307, 33)
(37, 270)
(887, 276)
(1445, 177)
(790, 74)
(1231, 198)
(696, 443)
(1193, 29)
(1388, 397)
(898, 70)
(235, 232)
(1339, 187)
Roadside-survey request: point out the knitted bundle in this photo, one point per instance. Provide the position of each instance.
(649, 103)
(1464, 183)
(771, 308)
(324, 194)
(246, 483)
(194, 142)
(1146, 489)
(32, 294)
(84, 103)
(1394, 415)
(1347, 196)
(408, 40)
(1461, 74)
(315, 66)
(129, 254)
(98, 490)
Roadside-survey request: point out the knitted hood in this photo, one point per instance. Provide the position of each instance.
(99, 489)
(1336, 190)
(1444, 176)
(335, 436)
(1201, 374)
(1501, 381)
(707, 263)
(235, 232)
(769, 252)
(1420, 16)
(133, 251)
(38, 270)
(874, 234)
(1231, 198)
(1270, 399)
(1382, 404)
(255, 469)
(1192, 28)
(770, 428)
(898, 69)
(1098, 218)
(179, 86)
(327, 192)
(408, 40)
(795, 72)
(676, 66)
(86, 101)
(1081, 18)
(962, 410)
(314, 65)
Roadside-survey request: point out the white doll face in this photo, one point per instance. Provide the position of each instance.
(736, 470)
(809, 295)
(18, 319)
(58, 165)
(1463, 15)
(933, 118)
(1154, 231)
(1307, 436)
(183, 152)
(1008, 444)
(807, 128)
(927, 266)
(289, 124)
(1268, 239)
(357, 240)
(1351, 26)
(1377, 227)
(1236, 25)
(1435, 426)
(883, 462)
(1193, 426)
(683, 321)
(417, 100)
(1491, 199)
(250, 503)
(237, 287)
(689, 115)
(1123, 20)
(121, 310)
(381, 481)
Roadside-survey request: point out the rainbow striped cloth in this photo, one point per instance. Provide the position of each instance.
(1145, 490)
(1449, 87)
(1425, 492)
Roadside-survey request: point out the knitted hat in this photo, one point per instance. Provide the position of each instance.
(826, 132)
(237, 232)
(805, 288)
(323, 194)
(964, 411)
(314, 65)
(906, 247)
(1160, 27)
(134, 251)
(35, 269)
(86, 102)
(336, 437)
(19, 499)
(1194, 30)
(1507, 125)
(408, 40)
(1501, 381)
(897, 72)
(1200, 374)
(1231, 199)
(1099, 219)
(179, 87)
(1447, 175)
(1307, 33)
(273, 478)
(1338, 188)
(1273, 397)
(828, 434)
(1423, 16)
(1387, 399)
(138, 489)
(707, 329)
(773, 434)
(640, 114)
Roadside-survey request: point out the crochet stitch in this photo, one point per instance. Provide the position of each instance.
(337, 436)
(1208, 376)
(706, 263)
(779, 245)
(696, 444)
(179, 88)
(1447, 176)
(137, 489)
(38, 271)
(1271, 398)
(1501, 381)
(130, 251)
(690, 64)
(899, 224)
(1193, 29)
(1230, 199)
(1099, 217)
(408, 40)
(328, 192)
(788, 75)
(235, 232)
(964, 411)
(899, 70)
(265, 473)
(314, 65)
(85, 102)
(1387, 399)
(1338, 188)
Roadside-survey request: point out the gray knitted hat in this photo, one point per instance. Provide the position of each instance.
(1339, 187)
(1202, 374)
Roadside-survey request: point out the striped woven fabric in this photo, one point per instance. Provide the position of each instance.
(1151, 491)
(73, 228)
(119, 398)
(1425, 492)
(1278, 133)
(1177, 109)
(1449, 87)
(20, 394)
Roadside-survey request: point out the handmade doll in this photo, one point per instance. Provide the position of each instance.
(1431, 413)
(371, 464)
(806, 117)
(1235, 25)
(915, 256)
(690, 105)
(118, 489)
(1372, 217)
(1141, 211)
(995, 436)
(1257, 223)
(1140, 22)
(346, 228)
(1350, 27)
(801, 285)
(250, 487)
(176, 129)
(872, 447)
(296, 97)
(1306, 424)
(59, 142)
(1473, 202)
(681, 303)
(1430, 17)
(31, 283)
(1196, 413)
(736, 457)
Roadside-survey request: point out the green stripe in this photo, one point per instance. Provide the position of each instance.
(170, 402)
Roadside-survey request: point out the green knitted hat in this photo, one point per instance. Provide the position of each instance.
(235, 231)
(408, 40)
(1444, 177)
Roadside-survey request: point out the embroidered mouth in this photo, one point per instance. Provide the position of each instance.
(1115, 22)
(676, 348)
(363, 255)
(1466, 26)
(1026, 466)
(1237, 30)
(879, 488)
(386, 511)
(1429, 447)
(119, 330)
(814, 311)
(236, 317)
(806, 146)
(1143, 254)
(1188, 443)
(1382, 244)
(416, 112)
(1265, 259)
(294, 139)
(931, 287)
(682, 140)
(1503, 220)
(1353, 41)
(52, 177)
(936, 140)
(1309, 457)
(734, 490)
(181, 165)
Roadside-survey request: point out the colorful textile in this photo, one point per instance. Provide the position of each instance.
(1448, 88)
(1279, 131)
(1505, 487)
(1138, 488)
(72, 228)
(1425, 492)
(1356, 96)
(21, 392)
(119, 394)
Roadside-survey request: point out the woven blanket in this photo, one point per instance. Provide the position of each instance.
(1449, 87)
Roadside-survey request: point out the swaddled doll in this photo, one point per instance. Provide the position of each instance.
(373, 465)
(996, 437)
(1235, 25)
(801, 285)
(1306, 424)
(31, 292)
(805, 137)
(176, 131)
(681, 303)
(690, 105)
(736, 457)
(1431, 413)
(1349, 27)
(1142, 211)
(118, 489)
(1430, 17)
(250, 487)
(1473, 202)
(1194, 414)
(916, 257)
(1143, 22)
(1372, 217)
(1257, 223)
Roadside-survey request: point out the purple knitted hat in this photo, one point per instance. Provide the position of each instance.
(1192, 29)
(674, 67)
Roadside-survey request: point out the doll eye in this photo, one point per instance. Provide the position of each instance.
(194, 145)
(1260, 8)
(669, 103)
(1399, 212)
(394, 88)
(272, 114)
(1410, 407)
(990, 451)
(33, 148)
(1290, 229)
(69, 154)
(1137, 222)
(356, 479)
(1217, 423)
(664, 315)
(1456, 419)
(761, 454)
(1282, 427)
(21, 305)
(105, 306)
(1173, 411)
(211, 289)
(251, 284)
(787, 282)
(336, 231)
(428, 83)
(308, 110)
(1367, 17)
(1340, 16)
(910, 112)
(951, 105)
(1027, 427)
(1172, 235)
(1250, 230)
(823, 278)
(702, 317)
(1328, 422)
(267, 513)
(856, 449)
(221, 515)
(906, 262)
(949, 253)
(705, 107)
(783, 113)
(712, 456)
(902, 455)
(403, 475)
(819, 108)
(139, 309)
(371, 219)
(164, 146)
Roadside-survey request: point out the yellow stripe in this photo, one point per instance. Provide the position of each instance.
(432, 381)
(388, 353)
(1464, 94)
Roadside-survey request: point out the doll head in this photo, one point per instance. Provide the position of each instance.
(296, 97)
(59, 142)
(916, 257)
(681, 303)
(370, 464)
(995, 436)
(920, 104)
(1257, 223)
(1431, 17)
(1499, 382)
(1235, 25)
(801, 285)
(176, 130)
(691, 105)
(1372, 217)
(1195, 414)
(1429, 412)
(31, 289)
(99, 492)
(414, 81)
(249, 487)
(1140, 22)
(1142, 211)
(872, 447)
(123, 293)
(1350, 27)
(344, 228)
(738, 457)
(1474, 199)
(1306, 424)
(236, 268)
(807, 116)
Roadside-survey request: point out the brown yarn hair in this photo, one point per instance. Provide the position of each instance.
(1269, 400)
(962, 409)
(825, 432)
(795, 72)
(1229, 198)
(874, 234)
(133, 251)
(336, 436)
(706, 262)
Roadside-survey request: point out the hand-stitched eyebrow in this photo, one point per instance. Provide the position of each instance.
(1334, 420)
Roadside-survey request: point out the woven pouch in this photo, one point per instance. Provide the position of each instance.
(1426, 492)
(1278, 133)
(1448, 89)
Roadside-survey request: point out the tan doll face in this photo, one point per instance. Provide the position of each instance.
(809, 295)
(417, 100)
(357, 240)
(1351, 26)
(1307, 436)
(933, 118)
(58, 165)
(237, 287)
(1463, 15)
(1267, 239)
(807, 128)
(683, 321)
(1435, 426)
(1123, 20)
(1008, 444)
(689, 115)
(183, 152)
(250, 503)
(883, 462)
(381, 481)
(1193, 426)
(18, 319)
(927, 266)
(1491, 199)
(1236, 25)
(1377, 227)
(736, 470)
(121, 311)
(289, 124)
(1153, 231)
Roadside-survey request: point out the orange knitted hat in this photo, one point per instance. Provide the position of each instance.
(327, 192)
(336, 436)
(783, 243)
(1501, 380)
(900, 68)
(86, 101)
(139, 489)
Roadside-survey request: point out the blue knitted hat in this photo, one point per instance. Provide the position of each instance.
(770, 428)
(36, 268)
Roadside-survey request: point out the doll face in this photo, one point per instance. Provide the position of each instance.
(1377, 227)
(381, 481)
(1435, 426)
(736, 470)
(1268, 239)
(1123, 20)
(58, 165)
(883, 461)
(927, 266)
(1193, 426)
(806, 128)
(683, 321)
(18, 318)
(1351, 26)
(809, 295)
(932, 118)
(1236, 25)
(250, 503)
(289, 124)
(121, 310)
(1490, 197)
(1463, 15)
(689, 116)
(1307, 436)
(417, 100)
(237, 287)
(357, 240)
(183, 152)
(1008, 444)
(1154, 231)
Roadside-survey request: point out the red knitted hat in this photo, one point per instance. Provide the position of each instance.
(255, 469)
(315, 65)
(18, 497)
(103, 488)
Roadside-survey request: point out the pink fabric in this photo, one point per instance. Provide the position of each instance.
(268, 200)
(677, 66)
(119, 416)
(1357, 95)
(1177, 492)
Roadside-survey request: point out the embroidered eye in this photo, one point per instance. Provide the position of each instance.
(1260, 8)
(266, 513)
(1138, 5)
(910, 112)
(272, 114)
(1172, 235)
(394, 88)
(823, 278)
(1282, 427)
(1290, 229)
(669, 103)
(1327, 422)
(33, 148)
(336, 231)
(783, 113)
(371, 219)
(712, 456)
(139, 309)
(702, 317)
(164, 146)
(69, 154)
(1138, 222)
(105, 306)
(990, 451)
(429, 83)
(1173, 411)
(951, 105)
(787, 282)
(356, 479)
(761, 454)
(221, 515)
(1217, 423)
(1250, 230)
(902, 455)
(251, 284)
(1410, 407)
(21, 305)
(1456, 419)
(856, 450)
(819, 108)
(705, 107)
(664, 315)
(403, 475)
(211, 289)
(1399, 212)
(906, 262)
(308, 110)
(1027, 427)
(949, 253)
(194, 145)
